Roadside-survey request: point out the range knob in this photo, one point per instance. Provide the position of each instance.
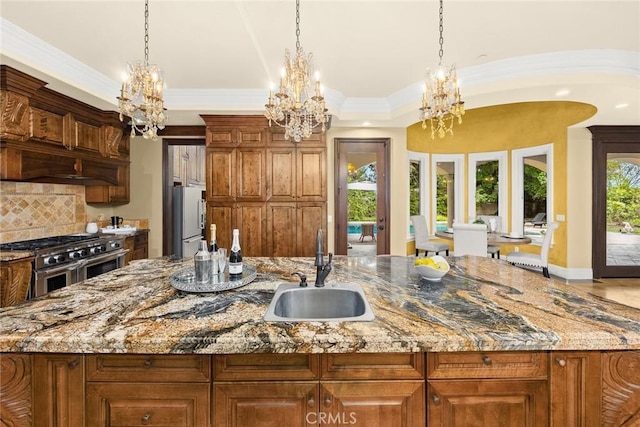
(78, 254)
(55, 259)
(97, 250)
(114, 245)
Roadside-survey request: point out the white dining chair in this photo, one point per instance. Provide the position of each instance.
(469, 239)
(536, 260)
(423, 240)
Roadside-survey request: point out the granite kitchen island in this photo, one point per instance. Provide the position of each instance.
(486, 331)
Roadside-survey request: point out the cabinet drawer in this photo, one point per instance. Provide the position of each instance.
(149, 368)
(127, 404)
(252, 367)
(378, 366)
(141, 239)
(487, 365)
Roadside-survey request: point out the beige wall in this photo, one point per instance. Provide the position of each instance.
(579, 177)
(398, 170)
(146, 191)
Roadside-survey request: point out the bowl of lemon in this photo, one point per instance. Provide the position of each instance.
(432, 268)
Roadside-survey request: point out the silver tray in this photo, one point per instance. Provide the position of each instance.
(185, 280)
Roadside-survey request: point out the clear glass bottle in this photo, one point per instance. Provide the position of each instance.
(202, 263)
(235, 256)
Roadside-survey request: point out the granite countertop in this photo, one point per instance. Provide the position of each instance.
(481, 304)
(6, 256)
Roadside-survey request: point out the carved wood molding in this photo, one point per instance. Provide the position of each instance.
(621, 388)
(15, 390)
(112, 137)
(14, 123)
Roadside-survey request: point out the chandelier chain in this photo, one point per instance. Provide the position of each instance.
(146, 32)
(441, 52)
(297, 25)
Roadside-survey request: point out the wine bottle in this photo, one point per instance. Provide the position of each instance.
(235, 256)
(213, 242)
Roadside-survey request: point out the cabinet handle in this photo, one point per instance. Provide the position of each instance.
(148, 363)
(561, 362)
(73, 363)
(145, 418)
(327, 401)
(486, 360)
(311, 401)
(436, 399)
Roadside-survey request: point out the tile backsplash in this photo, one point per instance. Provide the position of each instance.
(35, 210)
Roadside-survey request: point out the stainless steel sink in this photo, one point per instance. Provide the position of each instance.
(335, 302)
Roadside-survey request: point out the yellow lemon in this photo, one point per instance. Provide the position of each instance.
(441, 265)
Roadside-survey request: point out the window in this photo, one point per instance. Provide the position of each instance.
(487, 185)
(418, 188)
(532, 191)
(447, 189)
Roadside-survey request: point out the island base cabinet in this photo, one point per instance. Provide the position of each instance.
(251, 404)
(372, 404)
(481, 403)
(132, 405)
(575, 383)
(58, 390)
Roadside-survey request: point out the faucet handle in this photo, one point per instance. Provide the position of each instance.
(330, 258)
(303, 278)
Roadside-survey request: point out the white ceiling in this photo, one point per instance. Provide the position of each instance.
(220, 56)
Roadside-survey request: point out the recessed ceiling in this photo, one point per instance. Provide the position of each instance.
(219, 57)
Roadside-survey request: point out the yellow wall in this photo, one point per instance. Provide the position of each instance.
(514, 126)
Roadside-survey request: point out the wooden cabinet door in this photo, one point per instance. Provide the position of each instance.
(58, 390)
(251, 220)
(281, 230)
(575, 389)
(200, 161)
(15, 279)
(256, 404)
(147, 404)
(178, 163)
(130, 245)
(311, 167)
(224, 216)
(251, 175)
(221, 175)
(372, 403)
(281, 174)
(82, 136)
(481, 403)
(309, 218)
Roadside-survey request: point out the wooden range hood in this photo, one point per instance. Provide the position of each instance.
(46, 136)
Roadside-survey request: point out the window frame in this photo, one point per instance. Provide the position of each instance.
(503, 202)
(458, 188)
(517, 179)
(423, 159)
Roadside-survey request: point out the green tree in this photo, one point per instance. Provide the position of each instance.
(414, 188)
(535, 191)
(362, 203)
(486, 183)
(623, 192)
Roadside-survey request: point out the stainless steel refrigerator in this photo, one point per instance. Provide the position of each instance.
(189, 217)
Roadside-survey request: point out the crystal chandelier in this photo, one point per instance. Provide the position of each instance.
(141, 93)
(441, 102)
(293, 108)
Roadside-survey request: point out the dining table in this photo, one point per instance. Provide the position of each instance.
(493, 238)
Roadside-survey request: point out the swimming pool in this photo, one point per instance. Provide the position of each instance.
(355, 228)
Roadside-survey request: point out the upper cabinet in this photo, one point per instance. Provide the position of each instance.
(48, 137)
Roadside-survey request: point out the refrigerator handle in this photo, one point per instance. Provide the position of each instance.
(202, 208)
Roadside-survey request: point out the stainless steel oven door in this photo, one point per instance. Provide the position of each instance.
(100, 264)
(53, 278)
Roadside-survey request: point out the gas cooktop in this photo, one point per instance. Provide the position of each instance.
(47, 242)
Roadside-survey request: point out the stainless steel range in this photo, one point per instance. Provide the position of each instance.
(62, 260)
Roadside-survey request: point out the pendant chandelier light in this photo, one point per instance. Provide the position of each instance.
(141, 93)
(441, 102)
(293, 107)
